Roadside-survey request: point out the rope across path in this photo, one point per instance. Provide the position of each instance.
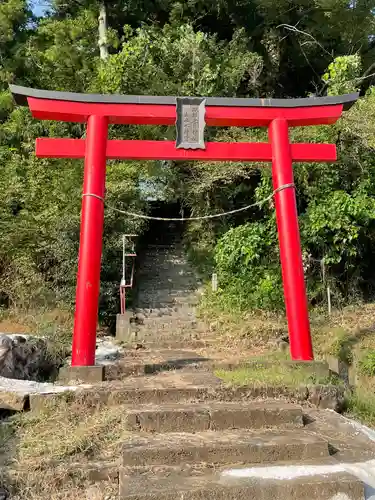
(183, 219)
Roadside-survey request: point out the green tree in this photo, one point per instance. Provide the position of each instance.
(14, 31)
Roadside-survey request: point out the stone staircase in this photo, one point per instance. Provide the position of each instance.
(191, 447)
(166, 293)
(189, 436)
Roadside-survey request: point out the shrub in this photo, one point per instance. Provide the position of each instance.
(367, 364)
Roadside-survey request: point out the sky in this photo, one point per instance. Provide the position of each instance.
(38, 6)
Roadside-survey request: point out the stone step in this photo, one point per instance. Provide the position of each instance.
(172, 291)
(144, 362)
(335, 486)
(167, 322)
(165, 319)
(164, 276)
(198, 417)
(178, 342)
(171, 265)
(176, 312)
(177, 387)
(170, 309)
(167, 301)
(167, 269)
(167, 339)
(165, 263)
(171, 336)
(224, 447)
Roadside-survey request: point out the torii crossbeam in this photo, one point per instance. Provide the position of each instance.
(98, 111)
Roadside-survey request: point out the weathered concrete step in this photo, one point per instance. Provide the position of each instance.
(167, 300)
(167, 322)
(225, 447)
(176, 387)
(167, 332)
(171, 341)
(164, 300)
(173, 338)
(339, 486)
(168, 317)
(169, 328)
(187, 313)
(159, 360)
(166, 338)
(167, 311)
(163, 255)
(198, 417)
(164, 270)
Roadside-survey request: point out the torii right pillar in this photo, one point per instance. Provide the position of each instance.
(289, 242)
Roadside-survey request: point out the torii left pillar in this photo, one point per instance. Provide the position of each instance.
(90, 250)
(90, 254)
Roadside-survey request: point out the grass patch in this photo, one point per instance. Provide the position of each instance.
(278, 374)
(78, 434)
(366, 365)
(344, 334)
(86, 491)
(340, 344)
(43, 446)
(251, 329)
(55, 325)
(361, 406)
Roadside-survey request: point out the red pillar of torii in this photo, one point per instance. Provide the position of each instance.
(98, 111)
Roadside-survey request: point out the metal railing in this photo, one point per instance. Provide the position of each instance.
(127, 282)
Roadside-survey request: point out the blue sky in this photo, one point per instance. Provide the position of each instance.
(38, 6)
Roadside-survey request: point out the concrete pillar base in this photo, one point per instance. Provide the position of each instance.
(89, 374)
(125, 331)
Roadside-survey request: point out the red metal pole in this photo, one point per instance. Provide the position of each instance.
(290, 245)
(90, 251)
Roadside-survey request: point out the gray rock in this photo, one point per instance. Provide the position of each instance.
(25, 358)
(4, 494)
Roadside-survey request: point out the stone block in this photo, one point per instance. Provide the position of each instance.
(226, 447)
(13, 401)
(39, 402)
(88, 374)
(125, 330)
(25, 357)
(339, 368)
(173, 419)
(352, 376)
(334, 486)
(327, 397)
(254, 415)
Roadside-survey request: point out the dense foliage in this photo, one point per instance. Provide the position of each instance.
(195, 47)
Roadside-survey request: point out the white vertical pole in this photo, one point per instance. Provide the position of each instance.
(214, 282)
(123, 257)
(329, 300)
(328, 288)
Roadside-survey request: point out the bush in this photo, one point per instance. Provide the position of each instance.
(367, 364)
(341, 345)
(248, 268)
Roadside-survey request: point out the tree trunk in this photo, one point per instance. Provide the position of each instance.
(103, 45)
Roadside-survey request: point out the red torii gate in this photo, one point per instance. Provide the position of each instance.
(98, 111)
